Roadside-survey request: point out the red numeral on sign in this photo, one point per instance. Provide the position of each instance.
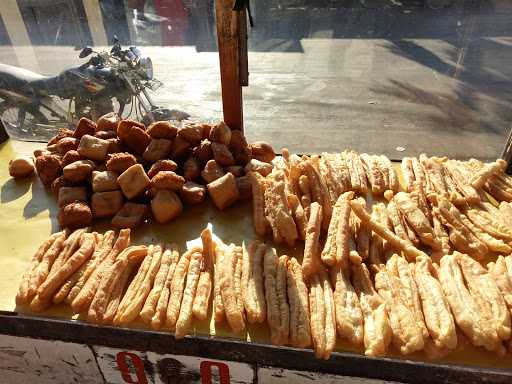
(122, 363)
(206, 372)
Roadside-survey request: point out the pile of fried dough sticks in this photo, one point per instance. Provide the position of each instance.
(395, 266)
(111, 282)
(398, 273)
(442, 189)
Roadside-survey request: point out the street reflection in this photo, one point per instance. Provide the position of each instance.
(374, 75)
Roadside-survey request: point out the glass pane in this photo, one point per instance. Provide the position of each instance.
(44, 84)
(382, 76)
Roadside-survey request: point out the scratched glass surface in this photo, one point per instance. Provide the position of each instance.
(381, 76)
(173, 71)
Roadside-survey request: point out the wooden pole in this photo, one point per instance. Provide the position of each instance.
(507, 152)
(229, 23)
(15, 26)
(95, 20)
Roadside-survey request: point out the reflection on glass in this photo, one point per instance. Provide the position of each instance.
(377, 75)
(144, 59)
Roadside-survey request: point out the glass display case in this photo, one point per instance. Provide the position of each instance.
(378, 76)
(345, 133)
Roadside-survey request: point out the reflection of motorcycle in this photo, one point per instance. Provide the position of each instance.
(109, 81)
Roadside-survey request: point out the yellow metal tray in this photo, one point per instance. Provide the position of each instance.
(28, 216)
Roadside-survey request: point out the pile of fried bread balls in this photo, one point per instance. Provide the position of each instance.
(123, 170)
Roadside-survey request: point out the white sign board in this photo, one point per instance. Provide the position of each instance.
(119, 366)
(27, 360)
(271, 375)
(24, 360)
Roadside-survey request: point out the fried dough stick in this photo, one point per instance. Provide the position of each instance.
(258, 203)
(464, 308)
(333, 187)
(503, 277)
(349, 318)
(460, 235)
(282, 300)
(407, 173)
(112, 274)
(420, 199)
(383, 165)
(336, 249)
(218, 306)
(118, 289)
(454, 194)
(377, 331)
(436, 309)
(408, 228)
(300, 333)
(100, 253)
(277, 211)
(495, 190)
(328, 255)
(400, 268)
(487, 171)
(389, 173)
(343, 174)
(233, 312)
(400, 244)
(177, 287)
(149, 308)
(441, 235)
(493, 244)
(470, 194)
(299, 216)
(70, 265)
(293, 176)
(491, 224)
(317, 316)
(435, 175)
(407, 334)
(376, 251)
(238, 254)
(505, 210)
(378, 245)
(252, 282)
(204, 287)
(319, 191)
(305, 199)
(361, 234)
(73, 279)
(278, 311)
(487, 295)
(362, 174)
(420, 177)
(396, 222)
(131, 292)
(355, 180)
(84, 298)
(39, 267)
(311, 259)
(184, 322)
(343, 232)
(373, 173)
(70, 246)
(417, 219)
(130, 312)
(161, 307)
(23, 296)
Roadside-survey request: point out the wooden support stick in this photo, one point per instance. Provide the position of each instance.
(507, 152)
(228, 41)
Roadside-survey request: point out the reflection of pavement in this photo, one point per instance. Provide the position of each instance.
(437, 83)
(434, 81)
